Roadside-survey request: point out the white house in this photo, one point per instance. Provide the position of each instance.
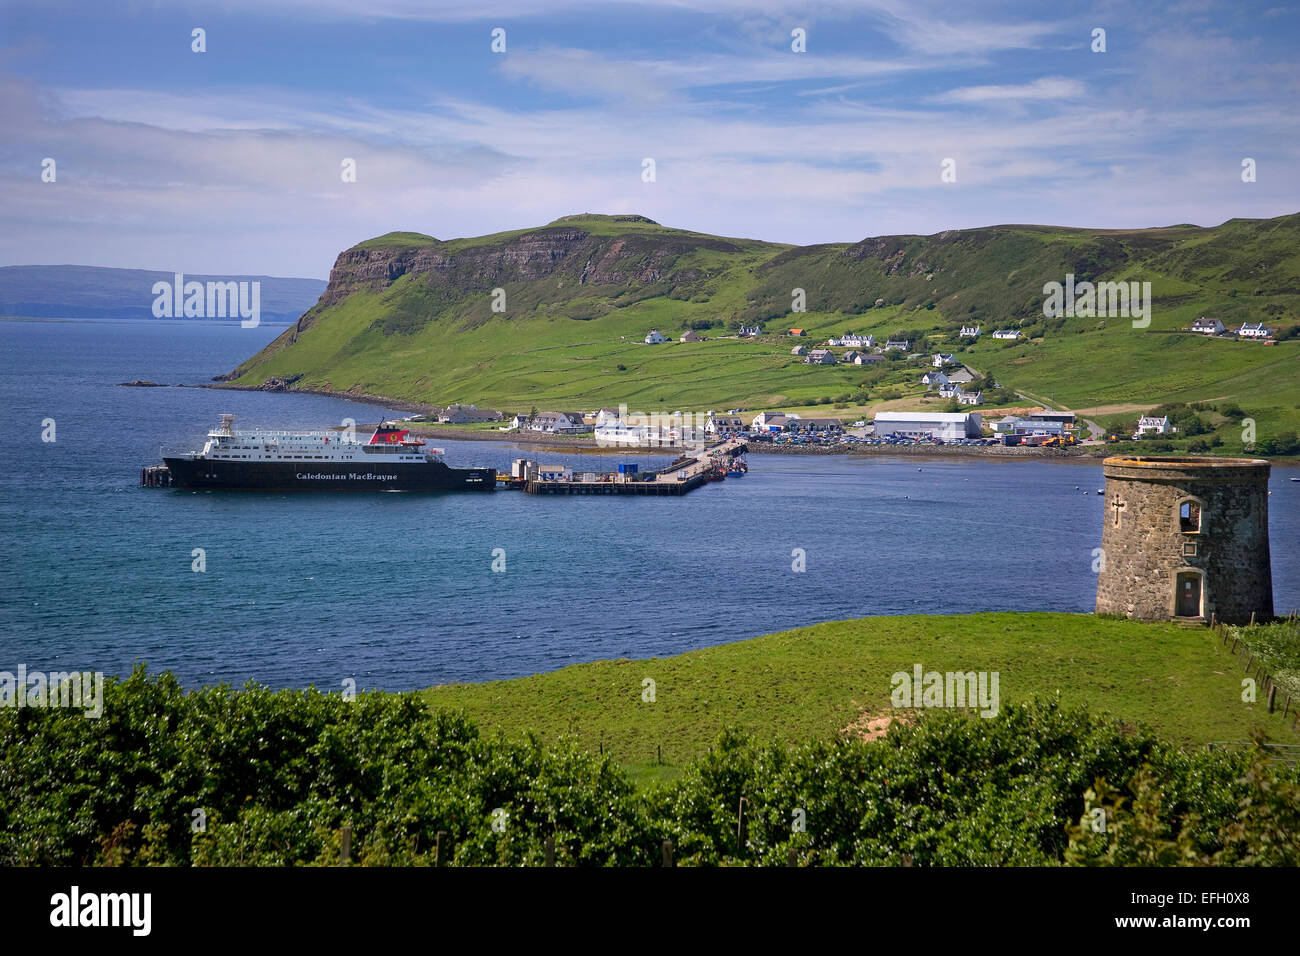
(970, 332)
(654, 338)
(943, 425)
(901, 344)
(1159, 426)
(772, 421)
(950, 391)
(1208, 326)
(940, 360)
(970, 398)
(934, 378)
(1256, 331)
(868, 359)
(853, 340)
(1007, 334)
(723, 425)
(820, 357)
(749, 331)
(559, 423)
(850, 357)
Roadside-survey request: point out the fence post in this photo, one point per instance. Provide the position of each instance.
(550, 851)
(1249, 661)
(1272, 695)
(345, 845)
(437, 848)
(668, 853)
(740, 826)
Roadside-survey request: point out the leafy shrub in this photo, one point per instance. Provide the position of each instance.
(279, 774)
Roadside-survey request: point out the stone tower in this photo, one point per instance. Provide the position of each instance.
(1185, 538)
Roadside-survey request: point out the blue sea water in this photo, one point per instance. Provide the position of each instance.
(397, 591)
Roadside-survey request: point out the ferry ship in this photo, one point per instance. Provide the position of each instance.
(320, 461)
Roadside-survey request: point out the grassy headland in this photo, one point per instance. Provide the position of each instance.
(411, 317)
(811, 682)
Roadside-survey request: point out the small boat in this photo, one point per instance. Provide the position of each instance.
(737, 467)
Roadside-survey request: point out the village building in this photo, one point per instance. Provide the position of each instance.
(1007, 334)
(724, 425)
(691, 336)
(949, 390)
(1051, 415)
(458, 414)
(850, 357)
(654, 338)
(1155, 426)
(962, 376)
(970, 398)
(901, 345)
(799, 350)
(749, 331)
(934, 379)
(798, 332)
(940, 360)
(1256, 331)
(852, 340)
(772, 421)
(970, 332)
(559, 423)
(822, 426)
(1208, 326)
(947, 426)
(869, 359)
(820, 357)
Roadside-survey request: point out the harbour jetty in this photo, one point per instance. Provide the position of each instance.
(684, 474)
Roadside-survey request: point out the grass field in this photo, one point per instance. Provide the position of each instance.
(815, 681)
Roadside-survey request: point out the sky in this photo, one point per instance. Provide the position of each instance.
(232, 160)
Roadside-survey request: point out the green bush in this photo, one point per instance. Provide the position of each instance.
(280, 774)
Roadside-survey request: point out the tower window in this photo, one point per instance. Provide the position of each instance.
(1189, 517)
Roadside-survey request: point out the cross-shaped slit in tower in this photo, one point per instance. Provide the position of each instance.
(1117, 504)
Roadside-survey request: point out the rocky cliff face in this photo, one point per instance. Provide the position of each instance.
(586, 258)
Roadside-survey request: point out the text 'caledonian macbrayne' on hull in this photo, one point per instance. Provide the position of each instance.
(319, 461)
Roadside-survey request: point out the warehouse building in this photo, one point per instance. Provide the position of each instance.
(948, 426)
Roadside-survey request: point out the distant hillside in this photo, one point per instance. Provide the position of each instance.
(92, 292)
(410, 316)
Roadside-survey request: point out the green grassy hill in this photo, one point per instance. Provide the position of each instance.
(812, 682)
(409, 316)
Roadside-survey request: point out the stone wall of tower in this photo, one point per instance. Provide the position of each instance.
(1145, 549)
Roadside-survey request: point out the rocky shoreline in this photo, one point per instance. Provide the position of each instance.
(931, 451)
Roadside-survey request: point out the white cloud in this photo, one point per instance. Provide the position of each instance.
(1043, 88)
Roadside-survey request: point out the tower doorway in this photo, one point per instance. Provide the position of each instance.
(1188, 601)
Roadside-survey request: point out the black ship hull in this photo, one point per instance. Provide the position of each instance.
(206, 474)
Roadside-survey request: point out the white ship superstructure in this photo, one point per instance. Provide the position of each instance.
(226, 444)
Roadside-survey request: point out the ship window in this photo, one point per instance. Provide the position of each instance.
(1189, 517)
